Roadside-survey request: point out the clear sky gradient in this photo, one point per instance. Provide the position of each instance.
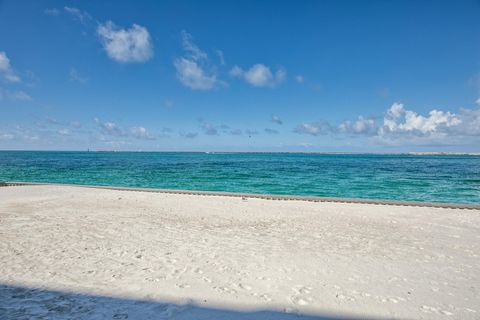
(360, 76)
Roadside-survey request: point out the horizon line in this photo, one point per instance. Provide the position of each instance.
(233, 152)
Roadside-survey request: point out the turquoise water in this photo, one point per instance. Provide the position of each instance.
(398, 177)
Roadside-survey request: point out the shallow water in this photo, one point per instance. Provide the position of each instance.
(434, 178)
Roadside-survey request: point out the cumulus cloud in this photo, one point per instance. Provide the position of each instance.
(82, 16)
(110, 128)
(192, 50)
(193, 69)
(470, 123)
(141, 133)
(276, 119)
(126, 45)
(14, 95)
(478, 101)
(6, 71)
(402, 126)
(75, 76)
(313, 128)
(192, 75)
(222, 129)
(236, 71)
(260, 75)
(398, 119)
(113, 129)
(271, 131)
(359, 126)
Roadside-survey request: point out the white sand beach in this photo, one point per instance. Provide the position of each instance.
(83, 253)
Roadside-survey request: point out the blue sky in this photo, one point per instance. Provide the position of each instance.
(376, 76)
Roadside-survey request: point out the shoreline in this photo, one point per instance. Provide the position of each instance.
(445, 205)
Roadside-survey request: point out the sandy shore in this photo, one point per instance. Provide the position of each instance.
(71, 252)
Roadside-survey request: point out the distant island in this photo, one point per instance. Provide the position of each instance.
(446, 153)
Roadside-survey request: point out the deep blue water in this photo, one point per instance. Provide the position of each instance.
(435, 178)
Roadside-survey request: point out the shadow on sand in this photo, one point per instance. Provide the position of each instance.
(32, 303)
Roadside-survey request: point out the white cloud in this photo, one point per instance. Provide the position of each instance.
(260, 75)
(276, 119)
(75, 76)
(113, 129)
(141, 133)
(192, 50)
(192, 75)
(236, 71)
(478, 101)
(15, 95)
(299, 78)
(401, 126)
(6, 71)
(192, 69)
(359, 126)
(314, 128)
(82, 16)
(110, 128)
(398, 119)
(126, 45)
(469, 123)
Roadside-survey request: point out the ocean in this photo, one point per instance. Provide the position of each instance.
(431, 178)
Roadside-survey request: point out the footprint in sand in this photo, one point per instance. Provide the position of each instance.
(245, 286)
(198, 270)
(299, 301)
(301, 296)
(266, 297)
(225, 289)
